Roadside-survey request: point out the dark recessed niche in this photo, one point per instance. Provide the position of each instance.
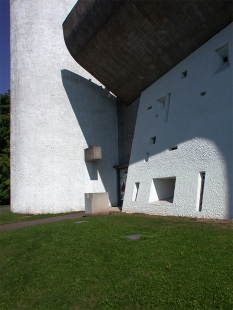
(201, 190)
(147, 157)
(173, 148)
(162, 189)
(135, 191)
(149, 108)
(152, 140)
(156, 115)
(184, 74)
(223, 52)
(222, 58)
(162, 102)
(203, 93)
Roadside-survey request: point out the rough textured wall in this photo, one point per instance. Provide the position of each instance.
(193, 111)
(56, 113)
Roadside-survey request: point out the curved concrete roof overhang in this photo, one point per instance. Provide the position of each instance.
(129, 44)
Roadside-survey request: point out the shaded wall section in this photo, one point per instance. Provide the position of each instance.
(95, 110)
(127, 116)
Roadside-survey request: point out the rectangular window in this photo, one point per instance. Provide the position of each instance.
(200, 193)
(184, 74)
(223, 52)
(135, 191)
(146, 157)
(162, 190)
(173, 148)
(152, 140)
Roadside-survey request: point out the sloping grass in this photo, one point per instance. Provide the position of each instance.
(7, 217)
(177, 264)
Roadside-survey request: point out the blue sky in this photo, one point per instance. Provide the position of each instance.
(4, 46)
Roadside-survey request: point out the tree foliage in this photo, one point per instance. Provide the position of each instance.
(5, 148)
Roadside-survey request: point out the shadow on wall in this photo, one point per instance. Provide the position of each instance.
(169, 134)
(96, 112)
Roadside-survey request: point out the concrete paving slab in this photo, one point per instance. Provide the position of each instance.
(80, 222)
(133, 237)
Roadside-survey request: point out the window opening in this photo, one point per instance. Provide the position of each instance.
(184, 74)
(172, 148)
(201, 190)
(146, 157)
(152, 140)
(162, 101)
(149, 108)
(162, 190)
(223, 52)
(135, 191)
(203, 93)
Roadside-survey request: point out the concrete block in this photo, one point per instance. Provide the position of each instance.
(96, 203)
(93, 153)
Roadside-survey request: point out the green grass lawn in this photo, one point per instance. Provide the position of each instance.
(7, 217)
(178, 263)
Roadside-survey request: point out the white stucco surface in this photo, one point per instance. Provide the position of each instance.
(201, 128)
(56, 112)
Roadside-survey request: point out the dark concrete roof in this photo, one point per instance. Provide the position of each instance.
(129, 44)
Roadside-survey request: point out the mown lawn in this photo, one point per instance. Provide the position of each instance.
(178, 263)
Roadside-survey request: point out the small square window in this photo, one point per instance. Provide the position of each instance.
(152, 140)
(223, 52)
(184, 74)
(162, 100)
(173, 148)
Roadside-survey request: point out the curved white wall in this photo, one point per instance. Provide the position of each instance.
(48, 106)
(201, 127)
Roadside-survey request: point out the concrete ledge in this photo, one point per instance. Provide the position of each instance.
(96, 203)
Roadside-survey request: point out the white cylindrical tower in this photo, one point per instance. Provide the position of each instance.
(49, 93)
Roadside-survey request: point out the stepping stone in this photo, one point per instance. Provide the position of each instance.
(133, 237)
(80, 222)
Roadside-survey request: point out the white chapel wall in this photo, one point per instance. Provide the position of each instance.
(190, 108)
(58, 110)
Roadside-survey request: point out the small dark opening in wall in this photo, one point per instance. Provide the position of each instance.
(135, 191)
(184, 74)
(223, 52)
(157, 115)
(203, 93)
(147, 157)
(172, 148)
(202, 176)
(149, 108)
(153, 140)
